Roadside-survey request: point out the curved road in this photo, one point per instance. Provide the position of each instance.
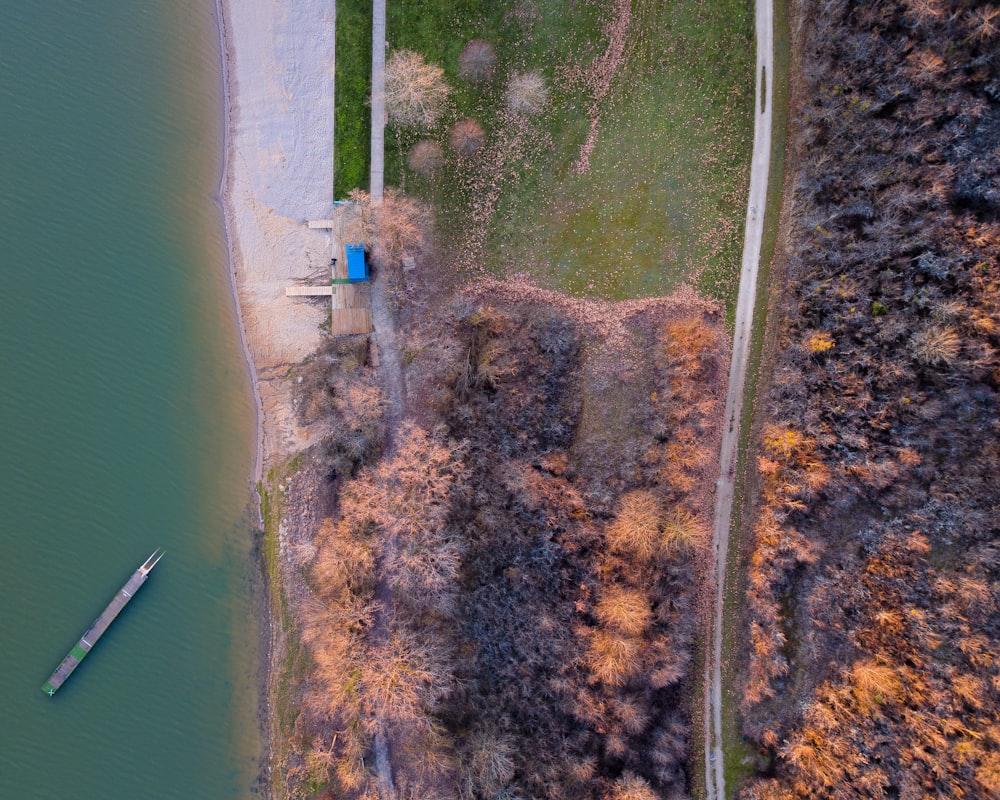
(715, 782)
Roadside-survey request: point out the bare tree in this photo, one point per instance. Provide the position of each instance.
(477, 61)
(466, 137)
(415, 91)
(527, 93)
(425, 158)
(394, 228)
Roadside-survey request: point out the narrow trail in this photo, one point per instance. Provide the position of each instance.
(390, 371)
(391, 379)
(715, 782)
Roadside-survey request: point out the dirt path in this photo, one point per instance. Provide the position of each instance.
(390, 372)
(714, 757)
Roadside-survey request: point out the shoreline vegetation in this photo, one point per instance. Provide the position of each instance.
(504, 546)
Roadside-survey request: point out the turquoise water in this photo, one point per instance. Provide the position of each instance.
(127, 422)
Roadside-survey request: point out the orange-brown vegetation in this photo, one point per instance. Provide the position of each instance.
(535, 634)
(872, 600)
(394, 228)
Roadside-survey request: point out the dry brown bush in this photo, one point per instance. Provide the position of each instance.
(988, 775)
(631, 787)
(477, 61)
(637, 529)
(425, 158)
(466, 137)
(394, 228)
(633, 714)
(625, 610)
(527, 93)
(415, 92)
(402, 681)
(875, 684)
(612, 657)
(683, 531)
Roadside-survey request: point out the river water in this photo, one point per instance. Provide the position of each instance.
(126, 421)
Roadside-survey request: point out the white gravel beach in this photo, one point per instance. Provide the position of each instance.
(279, 60)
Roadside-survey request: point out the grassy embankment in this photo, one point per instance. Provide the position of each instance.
(664, 195)
(290, 661)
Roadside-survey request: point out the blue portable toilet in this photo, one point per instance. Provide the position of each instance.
(357, 266)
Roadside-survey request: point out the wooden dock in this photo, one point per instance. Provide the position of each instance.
(100, 625)
(351, 308)
(350, 303)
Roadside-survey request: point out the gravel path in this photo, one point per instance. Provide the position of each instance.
(714, 756)
(378, 100)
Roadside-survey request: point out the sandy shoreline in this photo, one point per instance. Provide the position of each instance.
(277, 174)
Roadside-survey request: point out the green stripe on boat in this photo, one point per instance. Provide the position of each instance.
(78, 652)
(48, 688)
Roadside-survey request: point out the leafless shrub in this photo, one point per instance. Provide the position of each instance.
(636, 530)
(466, 137)
(625, 610)
(491, 763)
(415, 91)
(394, 228)
(935, 346)
(477, 61)
(633, 714)
(425, 158)
(612, 657)
(630, 787)
(985, 22)
(527, 93)
(682, 530)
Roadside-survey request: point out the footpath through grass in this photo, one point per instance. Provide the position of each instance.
(664, 196)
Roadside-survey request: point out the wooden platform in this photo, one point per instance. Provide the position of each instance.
(350, 303)
(308, 291)
(351, 310)
(99, 626)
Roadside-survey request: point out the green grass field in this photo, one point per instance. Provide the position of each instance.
(664, 196)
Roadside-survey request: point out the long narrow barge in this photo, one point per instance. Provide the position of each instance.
(100, 625)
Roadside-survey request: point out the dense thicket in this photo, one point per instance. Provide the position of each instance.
(507, 597)
(872, 589)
